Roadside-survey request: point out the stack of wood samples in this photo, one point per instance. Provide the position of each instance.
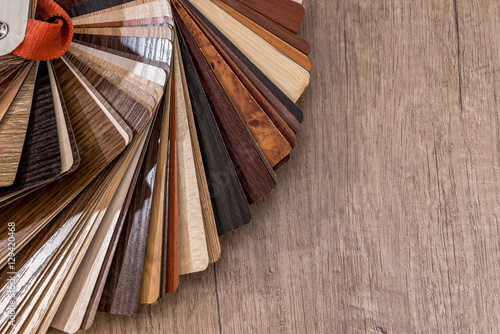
(124, 160)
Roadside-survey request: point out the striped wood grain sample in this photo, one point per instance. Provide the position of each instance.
(10, 86)
(13, 128)
(152, 51)
(230, 206)
(284, 12)
(193, 251)
(285, 73)
(159, 20)
(41, 156)
(122, 288)
(283, 105)
(148, 156)
(171, 259)
(211, 233)
(256, 176)
(270, 140)
(291, 52)
(151, 269)
(99, 140)
(156, 31)
(129, 11)
(286, 35)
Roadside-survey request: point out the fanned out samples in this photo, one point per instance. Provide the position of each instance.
(123, 160)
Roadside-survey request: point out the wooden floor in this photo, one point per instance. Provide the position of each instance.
(387, 217)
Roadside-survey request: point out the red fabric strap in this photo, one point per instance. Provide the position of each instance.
(49, 36)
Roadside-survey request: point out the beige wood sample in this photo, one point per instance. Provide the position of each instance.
(281, 70)
(141, 11)
(211, 234)
(154, 89)
(148, 72)
(149, 31)
(193, 251)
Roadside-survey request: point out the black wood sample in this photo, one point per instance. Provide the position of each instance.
(229, 203)
(255, 174)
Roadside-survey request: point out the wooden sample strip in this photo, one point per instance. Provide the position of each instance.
(211, 234)
(285, 73)
(13, 128)
(284, 12)
(151, 269)
(163, 32)
(270, 140)
(140, 11)
(171, 259)
(256, 176)
(10, 87)
(193, 252)
(230, 206)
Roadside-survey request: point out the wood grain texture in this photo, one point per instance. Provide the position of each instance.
(270, 140)
(284, 12)
(393, 186)
(13, 127)
(291, 52)
(211, 233)
(283, 105)
(253, 170)
(229, 203)
(40, 160)
(193, 250)
(285, 73)
(150, 285)
(271, 26)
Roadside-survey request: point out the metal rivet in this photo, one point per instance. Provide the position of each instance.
(4, 29)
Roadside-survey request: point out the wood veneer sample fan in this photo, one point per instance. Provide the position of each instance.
(139, 147)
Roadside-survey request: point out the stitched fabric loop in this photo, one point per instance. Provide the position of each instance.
(49, 36)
